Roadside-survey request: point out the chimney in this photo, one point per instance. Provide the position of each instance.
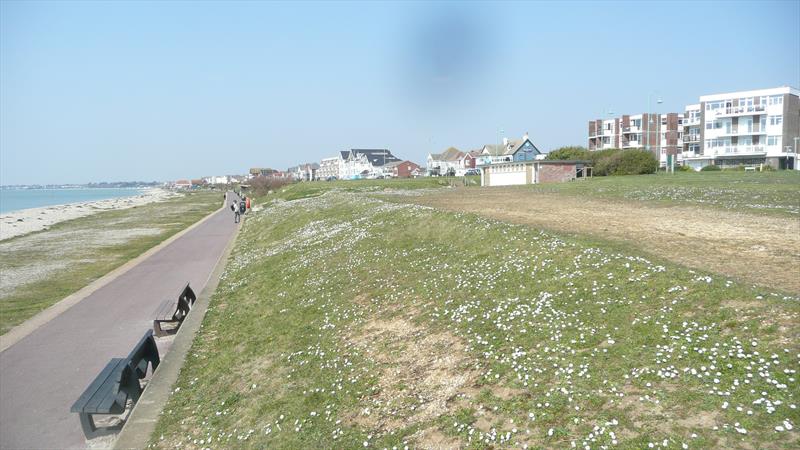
(505, 141)
(525, 137)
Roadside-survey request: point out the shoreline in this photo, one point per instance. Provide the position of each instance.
(25, 221)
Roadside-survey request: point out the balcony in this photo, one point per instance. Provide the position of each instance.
(740, 110)
(691, 121)
(737, 150)
(741, 132)
(632, 129)
(691, 138)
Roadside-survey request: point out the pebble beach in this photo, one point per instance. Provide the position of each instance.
(24, 221)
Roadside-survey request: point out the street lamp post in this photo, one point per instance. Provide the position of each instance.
(796, 167)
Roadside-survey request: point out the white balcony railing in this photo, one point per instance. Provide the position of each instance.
(741, 132)
(691, 138)
(691, 121)
(735, 110)
(736, 150)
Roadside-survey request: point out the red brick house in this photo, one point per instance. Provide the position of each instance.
(404, 169)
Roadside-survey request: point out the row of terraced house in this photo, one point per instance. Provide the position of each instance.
(508, 163)
(511, 163)
(749, 128)
(362, 163)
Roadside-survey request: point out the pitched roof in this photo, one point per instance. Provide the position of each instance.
(510, 149)
(494, 149)
(376, 156)
(451, 154)
(513, 146)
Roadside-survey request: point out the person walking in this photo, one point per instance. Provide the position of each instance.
(235, 209)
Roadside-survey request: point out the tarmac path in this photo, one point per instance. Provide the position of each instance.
(42, 374)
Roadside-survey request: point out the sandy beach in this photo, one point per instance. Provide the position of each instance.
(24, 221)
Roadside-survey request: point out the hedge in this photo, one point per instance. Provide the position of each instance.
(611, 161)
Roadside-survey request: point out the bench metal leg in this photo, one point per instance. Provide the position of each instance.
(87, 424)
(157, 328)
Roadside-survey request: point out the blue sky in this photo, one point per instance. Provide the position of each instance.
(157, 91)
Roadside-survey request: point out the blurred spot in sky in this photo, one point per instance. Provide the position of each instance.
(449, 55)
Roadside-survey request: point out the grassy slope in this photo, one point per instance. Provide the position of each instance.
(554, 341)
(771, 192)
(311, 189)
(78, 250)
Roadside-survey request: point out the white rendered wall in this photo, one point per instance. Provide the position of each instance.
(507, 178)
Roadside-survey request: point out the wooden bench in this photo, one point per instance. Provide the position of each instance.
(116, 383)
(171, 311)
(107, 394)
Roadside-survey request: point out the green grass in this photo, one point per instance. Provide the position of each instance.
(46, 266)
(769, 192)
(339, 316)
(314, 188)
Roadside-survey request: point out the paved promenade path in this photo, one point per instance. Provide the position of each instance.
(42, 374)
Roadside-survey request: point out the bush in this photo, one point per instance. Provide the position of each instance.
(607, 165)
(611, 161)
(624, 162)
(710, 168)
(636, 162)
(685, 168)
(261, 185)
(569, 153)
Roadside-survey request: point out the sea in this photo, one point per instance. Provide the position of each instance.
(16, 199)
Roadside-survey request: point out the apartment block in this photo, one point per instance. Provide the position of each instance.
(658, 133)
(743, 128)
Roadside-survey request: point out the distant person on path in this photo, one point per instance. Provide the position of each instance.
(235, 209)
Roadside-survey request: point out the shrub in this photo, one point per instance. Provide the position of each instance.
(261, 185)
(636, 162)
(611, 161)
(608, 164)
(624, 162)
(685, 168)
(710, 168)
(569, 153)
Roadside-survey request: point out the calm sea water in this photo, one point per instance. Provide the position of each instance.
(15, 199)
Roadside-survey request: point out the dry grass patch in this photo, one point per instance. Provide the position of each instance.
(419, 372)
(710, 239)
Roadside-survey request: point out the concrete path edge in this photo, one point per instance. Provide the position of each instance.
(19, 332)
(142, 420)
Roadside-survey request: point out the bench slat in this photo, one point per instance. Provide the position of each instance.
(101, 387)
(166, 311)
(108, 391)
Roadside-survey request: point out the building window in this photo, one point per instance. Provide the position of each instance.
(775, 120)
(776, 100)
(774, 140)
